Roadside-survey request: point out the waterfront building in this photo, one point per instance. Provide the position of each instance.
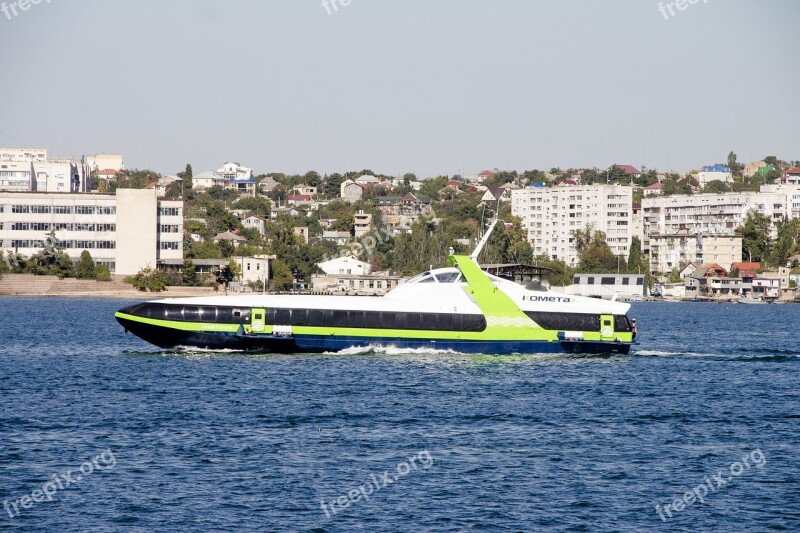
(702, 227)
(345, 265)
(675, 250)
(125, 232)
(552, 214)
(254, 268)
(608, 285)
(375, 284)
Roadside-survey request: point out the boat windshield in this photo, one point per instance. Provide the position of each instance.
(440, 276)
(448, 277)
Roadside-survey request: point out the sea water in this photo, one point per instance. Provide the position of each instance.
(101, 432)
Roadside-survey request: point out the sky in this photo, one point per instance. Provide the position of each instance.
(425, 86)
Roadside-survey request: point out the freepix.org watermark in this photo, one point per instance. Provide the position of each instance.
(104, 461)
(332, 6)
(717, 481)
(668, 10)
(367, 244)
(366, 490)
(14, 9)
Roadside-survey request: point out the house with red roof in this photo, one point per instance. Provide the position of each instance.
(653, 190)
(630, 170)
(106, 174)
(158, 187)
(492, 195)
(300, 199)
(791, 176)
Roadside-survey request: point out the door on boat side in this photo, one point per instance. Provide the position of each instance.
(607, 327)
(257, 323)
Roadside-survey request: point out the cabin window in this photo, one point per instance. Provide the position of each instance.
(565, 321)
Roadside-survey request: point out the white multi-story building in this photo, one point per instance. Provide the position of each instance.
(702, 227)
(100, 162)
(125, 232)
(714, 214)
(792, 195)
(23, 155)
(552, 214)
(675, 250)
(29, 170)
(234, 172)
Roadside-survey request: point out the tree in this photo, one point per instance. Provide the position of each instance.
(102, 273)
(562, 274)
(735, 167)
(257, 205)
(148, 278)
(331, 185)
(280, 276)
(594, 253)
(312, 178)
(186, 177)
(235, 269)
(637, 262)
(510, 244)
(788, 242)
(715, 186)
(86, 267)
(755, 234)
(189, 275)
(205, 250)
(432, 187)
(52, 260)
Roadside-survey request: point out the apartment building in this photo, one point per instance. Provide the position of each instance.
(104, 162)
(30, 170)
(702, 227)
(706, 214)
(124, 232)
(552, 214)
(675, 250)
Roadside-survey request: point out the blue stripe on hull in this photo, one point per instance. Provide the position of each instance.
(331, 343)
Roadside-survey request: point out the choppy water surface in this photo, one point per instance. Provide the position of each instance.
(443, 442)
